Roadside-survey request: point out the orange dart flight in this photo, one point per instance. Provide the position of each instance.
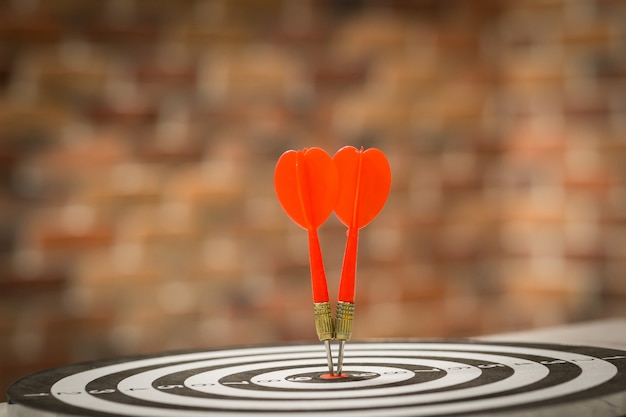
(306, 186)
(364, 184)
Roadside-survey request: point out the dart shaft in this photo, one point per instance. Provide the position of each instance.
(318, 275)
(329, 357)
(325, 328)
(347, 285)
(342, 347)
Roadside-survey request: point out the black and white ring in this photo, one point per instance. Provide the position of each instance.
(385, 379)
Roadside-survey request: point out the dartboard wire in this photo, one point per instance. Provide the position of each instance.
(587, 378)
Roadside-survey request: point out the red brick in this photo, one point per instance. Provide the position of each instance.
(30, 29)
(15, 283)
(224, 35)
(121, 32)
(152, 152)
(87, 153)
(299, 38)
(597, 36)
(96, 236)
(332, 75)
(370, 34)
(130, 113)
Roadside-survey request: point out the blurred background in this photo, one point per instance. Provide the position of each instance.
(138, 140)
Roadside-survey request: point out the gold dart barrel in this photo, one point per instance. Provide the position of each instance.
(324, 325)
(343, 321)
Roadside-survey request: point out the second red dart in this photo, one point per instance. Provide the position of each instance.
(364, 184)
(306, 186)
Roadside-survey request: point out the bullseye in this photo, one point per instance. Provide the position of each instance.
(334, 376)
(379, 379)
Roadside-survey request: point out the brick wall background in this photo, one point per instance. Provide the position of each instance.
(138, 140)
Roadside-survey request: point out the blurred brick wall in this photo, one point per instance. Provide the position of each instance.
(138, 140)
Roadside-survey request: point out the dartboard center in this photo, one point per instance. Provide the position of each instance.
(334, 376)
(353, 375)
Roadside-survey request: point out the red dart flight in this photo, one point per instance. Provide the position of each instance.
(306, 186)
(364, 184)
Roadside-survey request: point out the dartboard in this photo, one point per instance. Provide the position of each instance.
(408, 378)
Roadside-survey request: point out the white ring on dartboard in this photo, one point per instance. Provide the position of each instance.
(594, 372)
(524, 374)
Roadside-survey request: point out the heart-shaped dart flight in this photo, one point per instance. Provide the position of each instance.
(364, 184)
(306, 184)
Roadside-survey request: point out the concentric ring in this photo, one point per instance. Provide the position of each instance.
(398, 379)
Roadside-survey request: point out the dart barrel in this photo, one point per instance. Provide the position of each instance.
(343, 321)
(324, 325)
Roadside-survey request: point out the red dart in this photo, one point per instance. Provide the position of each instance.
(364, 183)
(306, 185)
